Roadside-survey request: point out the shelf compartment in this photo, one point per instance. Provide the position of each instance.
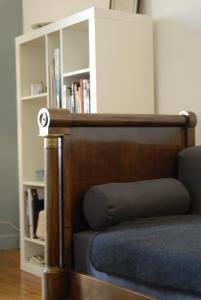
(33, 97)
(32, 145)
(70, 77)
(77, 73)
(33, 249)
(54, 63)
(33, 64)
(35, 241)
(70, 81)
(31, 268)
(74, 39)
(53, 42)
(34, 183)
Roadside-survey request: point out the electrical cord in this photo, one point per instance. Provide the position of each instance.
(7, 222)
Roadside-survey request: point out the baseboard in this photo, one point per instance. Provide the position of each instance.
(9, 241)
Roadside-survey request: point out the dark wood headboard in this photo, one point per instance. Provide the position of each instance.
(83, 150)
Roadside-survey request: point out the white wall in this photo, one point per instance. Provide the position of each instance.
(177, 55)
(11, 26)
(177, 46)
(36, 11)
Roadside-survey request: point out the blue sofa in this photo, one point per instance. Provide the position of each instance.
(146, 235)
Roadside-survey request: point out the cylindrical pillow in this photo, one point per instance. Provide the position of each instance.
(189, 173)
(109, 204)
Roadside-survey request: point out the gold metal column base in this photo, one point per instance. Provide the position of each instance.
(51, 142)
(54, 281)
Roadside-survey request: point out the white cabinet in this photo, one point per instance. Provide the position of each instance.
(112, 50)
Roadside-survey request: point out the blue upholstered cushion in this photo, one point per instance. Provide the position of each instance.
(163, 251)
(109, 204)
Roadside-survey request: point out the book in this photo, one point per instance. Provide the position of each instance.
(40, 230)
(30, 213)
(64, 97)
(52, 83)
(34, 205)
(55, 86)
(57, 60)
(81, 96)
(26, 215)
(86, 96)
(77, 96)
(68, 98)
(38, 205)
(73, 104)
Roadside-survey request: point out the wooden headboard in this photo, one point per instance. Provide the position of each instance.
(83, 150)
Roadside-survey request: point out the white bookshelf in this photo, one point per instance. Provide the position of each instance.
(114, 50)
(77, 73)
(32, 97)
(35, 241)
(34, 183)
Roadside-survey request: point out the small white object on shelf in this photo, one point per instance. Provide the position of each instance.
(40, 174)
(40, 24)
(37, 260)
(40, 230)
(37, 88)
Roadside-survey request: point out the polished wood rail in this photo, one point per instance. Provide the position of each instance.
(15, 284)
(51, 120)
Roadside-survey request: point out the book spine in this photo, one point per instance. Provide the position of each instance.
(72, 97)
(81, 96)
(64, 97)
(57, 77)
(69, 98)
(35, 199)
(52, 83)
(77, 97)
(86, 95)
(31, 217)
(26, 215)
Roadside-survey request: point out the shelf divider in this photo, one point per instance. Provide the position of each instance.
(35, 241)
(30, 97)
(34, 183)
(77, 72)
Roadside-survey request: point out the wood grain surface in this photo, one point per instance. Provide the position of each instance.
(83, 287)
(16, 284)
(97, 149)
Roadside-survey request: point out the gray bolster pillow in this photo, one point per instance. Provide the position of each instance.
(109, 204)
(189, 173)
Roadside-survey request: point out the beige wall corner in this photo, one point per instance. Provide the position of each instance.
(177, 27)
(37, 11)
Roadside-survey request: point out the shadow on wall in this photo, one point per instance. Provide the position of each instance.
(11, 26)
(178, 65)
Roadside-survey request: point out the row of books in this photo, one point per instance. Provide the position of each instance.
(34, 203)
(76, 98)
